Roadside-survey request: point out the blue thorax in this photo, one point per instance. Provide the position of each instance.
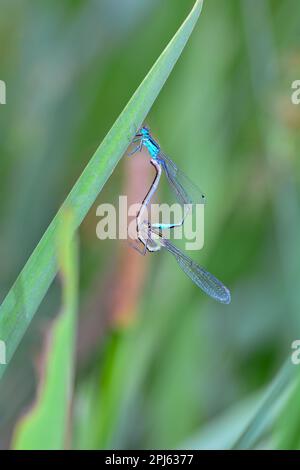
(148, 141)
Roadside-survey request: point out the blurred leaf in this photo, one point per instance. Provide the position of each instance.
(46, 425)
(222, 431)
(32, 284)
(287, 431)
(274, 399)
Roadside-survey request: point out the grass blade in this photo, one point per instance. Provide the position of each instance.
(31, 286)
(46, 425)
(269, 408)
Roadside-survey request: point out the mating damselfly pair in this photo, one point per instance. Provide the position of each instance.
(187, 193)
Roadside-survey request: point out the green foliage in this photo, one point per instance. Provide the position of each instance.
(187, 372)
(23, 299)
(46, 425)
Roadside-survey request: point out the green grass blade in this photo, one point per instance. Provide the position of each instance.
(287, 427)
(269, 408)
(32, 284)
(46, 425)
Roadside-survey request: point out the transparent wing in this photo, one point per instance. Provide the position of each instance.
(202, 278)
(185, 190)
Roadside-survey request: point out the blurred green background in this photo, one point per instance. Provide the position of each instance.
(160, 365)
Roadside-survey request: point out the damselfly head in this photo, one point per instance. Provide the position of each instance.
(143, 132)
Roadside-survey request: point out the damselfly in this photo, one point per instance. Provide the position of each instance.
(185, 190)
(151, 237)
(154, 241)
(146, 202)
